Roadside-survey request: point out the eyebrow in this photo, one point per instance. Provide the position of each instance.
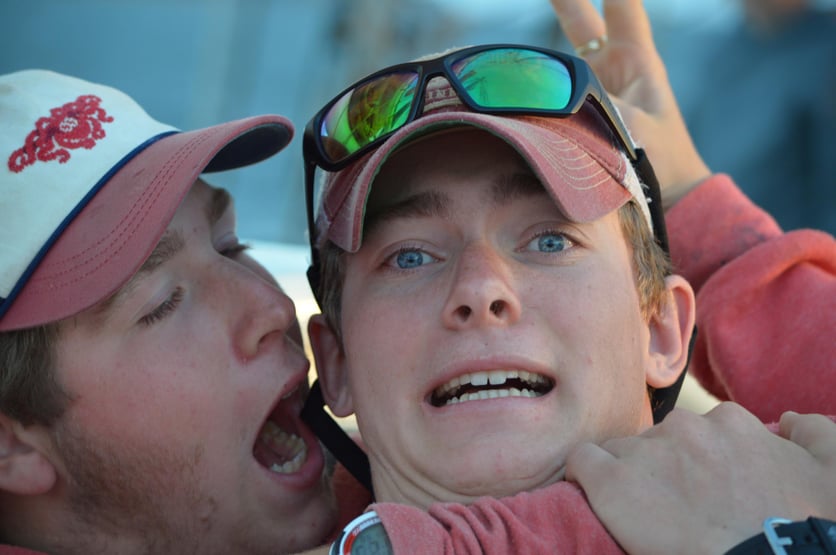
(504, 189)
(508, 187)
(420, 205)
(169, 245)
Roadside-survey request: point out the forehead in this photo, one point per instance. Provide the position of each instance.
(444, 158)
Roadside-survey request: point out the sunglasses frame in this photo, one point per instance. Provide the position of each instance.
(585, 86)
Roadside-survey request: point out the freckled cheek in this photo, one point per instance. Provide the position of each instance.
(159, 390)
(378, 344)
(602, 317)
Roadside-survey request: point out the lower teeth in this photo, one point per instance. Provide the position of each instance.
(285, 442)
(492, 394)
(292, 465)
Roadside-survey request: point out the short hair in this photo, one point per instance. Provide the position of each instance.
(650, 267)
(29, 390)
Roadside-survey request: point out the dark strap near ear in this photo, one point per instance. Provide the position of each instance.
(338, 442)
(654, 197)
(664, 399)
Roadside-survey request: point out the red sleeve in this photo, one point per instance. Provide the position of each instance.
(556, 519)
(766, 302)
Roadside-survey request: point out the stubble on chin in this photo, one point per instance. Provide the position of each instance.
(143, 501)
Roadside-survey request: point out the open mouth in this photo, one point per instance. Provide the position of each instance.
(479, 386)
(279, 448)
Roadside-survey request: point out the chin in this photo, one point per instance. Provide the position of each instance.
(494, 476)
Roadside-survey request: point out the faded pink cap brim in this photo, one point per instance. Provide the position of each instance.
(582, 168)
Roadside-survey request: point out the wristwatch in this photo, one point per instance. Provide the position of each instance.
(365, 535)
(814, 536)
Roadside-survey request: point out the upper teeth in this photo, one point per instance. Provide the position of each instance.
(494, 377)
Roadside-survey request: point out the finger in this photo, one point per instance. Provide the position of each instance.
(587, 463)
(813, 432)
(786, 423)
(627, 21)
(579, 20)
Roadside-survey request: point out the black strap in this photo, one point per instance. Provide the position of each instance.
(814, 536)
(664, 399)
(331, 434)
(653, 193)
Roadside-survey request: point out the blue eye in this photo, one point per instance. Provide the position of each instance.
(407, 259)
(550, 242)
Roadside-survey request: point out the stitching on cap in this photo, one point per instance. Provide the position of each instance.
(53, 281)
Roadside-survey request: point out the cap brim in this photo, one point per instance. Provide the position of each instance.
(113, 234)
(582, 171)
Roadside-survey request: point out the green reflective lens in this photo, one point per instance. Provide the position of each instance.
(366, 113)
(515, 78)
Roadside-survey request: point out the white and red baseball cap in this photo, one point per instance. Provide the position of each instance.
(89, 184)
(577, 158)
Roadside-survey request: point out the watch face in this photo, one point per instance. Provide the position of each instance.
(372, 541)
(365, 535)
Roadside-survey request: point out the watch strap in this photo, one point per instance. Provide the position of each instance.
(814, 536)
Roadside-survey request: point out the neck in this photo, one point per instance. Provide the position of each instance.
(422, 490)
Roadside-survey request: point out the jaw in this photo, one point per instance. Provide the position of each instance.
(472, 461)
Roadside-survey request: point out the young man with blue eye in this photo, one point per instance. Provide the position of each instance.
(464, 318)
(473, 314)
(435, 233)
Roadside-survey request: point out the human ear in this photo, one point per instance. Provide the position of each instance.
(25, 468)
(330, 366)
(670, 333)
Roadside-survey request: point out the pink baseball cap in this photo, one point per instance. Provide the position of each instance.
(577, 159)
(89, 184)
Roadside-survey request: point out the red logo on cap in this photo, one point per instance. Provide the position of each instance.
(74, 125)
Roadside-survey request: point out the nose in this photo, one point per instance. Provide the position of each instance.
(259, 310)
(483, 291)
